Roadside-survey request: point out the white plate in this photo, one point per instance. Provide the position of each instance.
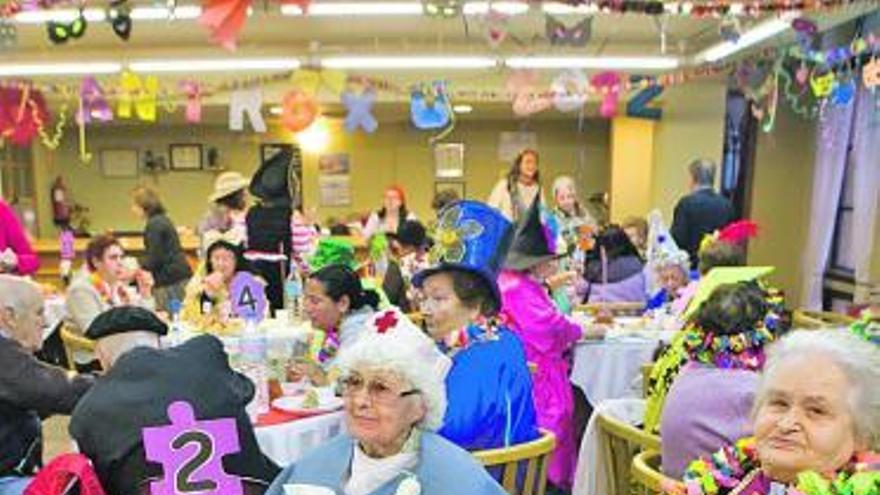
(326, 403)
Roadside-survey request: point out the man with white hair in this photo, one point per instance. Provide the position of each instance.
(140, 382)
(29, 389)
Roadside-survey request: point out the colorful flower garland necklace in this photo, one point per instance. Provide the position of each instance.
(735, 470)
(744, 351)
(482, 329)
(105, 290)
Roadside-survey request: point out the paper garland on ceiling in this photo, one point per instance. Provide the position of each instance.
(569, 90)
(527, 98)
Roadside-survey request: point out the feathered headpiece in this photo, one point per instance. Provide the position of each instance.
(735, 233)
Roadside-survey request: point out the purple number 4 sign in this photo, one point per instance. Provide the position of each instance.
(190, 452)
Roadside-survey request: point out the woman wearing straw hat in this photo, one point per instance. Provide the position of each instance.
(229, 204)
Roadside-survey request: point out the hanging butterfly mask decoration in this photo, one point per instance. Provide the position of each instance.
(120, 19)
(62, 32)
(442, 8)
(577, 35)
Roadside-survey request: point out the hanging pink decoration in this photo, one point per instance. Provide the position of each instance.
(299, 110)
(225, 18)
(608, 84)
(496, 28)
(93, 104)
(523, 87)
(193, 91)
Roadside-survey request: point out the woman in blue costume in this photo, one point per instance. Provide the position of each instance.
(489, 387)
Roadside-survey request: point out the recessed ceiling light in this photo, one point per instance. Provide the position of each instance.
(619, 63)
(214, 65)
(59, 69)
(409, 62)
(462, 108)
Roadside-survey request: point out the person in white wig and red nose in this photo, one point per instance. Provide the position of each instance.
(393, 385)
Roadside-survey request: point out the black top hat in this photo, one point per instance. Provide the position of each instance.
(537, 239)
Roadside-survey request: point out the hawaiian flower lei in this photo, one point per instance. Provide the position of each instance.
(482, 329)
(104, 290)
(736, 470)
(741, 351)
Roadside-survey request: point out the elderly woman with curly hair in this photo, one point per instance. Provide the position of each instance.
(816, 421)
(394, 393)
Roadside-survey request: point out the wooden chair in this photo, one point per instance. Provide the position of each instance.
(74, 342)
(620, 442)
(615, 308)
(536, 455)
(646, 476)
(813, 320)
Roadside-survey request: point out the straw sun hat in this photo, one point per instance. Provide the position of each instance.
(228, 183)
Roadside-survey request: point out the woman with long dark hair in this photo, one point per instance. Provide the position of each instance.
(513, 194)
(207, 303)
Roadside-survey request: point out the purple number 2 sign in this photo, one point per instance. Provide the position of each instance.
(190, 452)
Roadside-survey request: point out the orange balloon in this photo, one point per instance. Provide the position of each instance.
(299, 110)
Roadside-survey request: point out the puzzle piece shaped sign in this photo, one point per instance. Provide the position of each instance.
(191, 453)
(248, 297)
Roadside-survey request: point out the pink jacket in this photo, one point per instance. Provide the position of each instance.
(12, 236)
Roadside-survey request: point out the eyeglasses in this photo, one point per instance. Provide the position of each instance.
(379, 391)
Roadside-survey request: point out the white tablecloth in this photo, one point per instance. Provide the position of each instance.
(286, 443)
(611, 368)
(590, 475)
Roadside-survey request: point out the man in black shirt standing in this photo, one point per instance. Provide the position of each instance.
(701, 212)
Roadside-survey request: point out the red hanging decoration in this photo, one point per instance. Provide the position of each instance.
(22, 114)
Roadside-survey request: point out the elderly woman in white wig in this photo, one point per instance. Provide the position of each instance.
(393, 387)
(817, 421)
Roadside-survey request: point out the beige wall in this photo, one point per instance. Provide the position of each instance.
(394, 154)
(781, 199)
(692, 127)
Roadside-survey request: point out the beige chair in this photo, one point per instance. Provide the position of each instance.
(620, 442)
(646, 476)
(535, 454)
(74, 342)
(812, 320)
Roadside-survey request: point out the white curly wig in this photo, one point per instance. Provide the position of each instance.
(404, 349)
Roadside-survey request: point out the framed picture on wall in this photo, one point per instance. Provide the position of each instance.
(457, 186)
(119, 163)
(449, 161)
(185, 156)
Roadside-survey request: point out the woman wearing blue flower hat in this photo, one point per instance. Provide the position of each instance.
(489, 387)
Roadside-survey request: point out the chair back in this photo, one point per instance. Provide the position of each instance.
(74, 342)
(615, 308)
(535, 455)
(620, 442)
(646, 476)
(812, 320)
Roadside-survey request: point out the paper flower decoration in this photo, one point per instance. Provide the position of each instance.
(429, 115)
(569, 90)
(576, 36)
(608, 84)
(299, 110)
(523, 87)
(359, 111)
(451, 235)
(22, 114)
(225, 19)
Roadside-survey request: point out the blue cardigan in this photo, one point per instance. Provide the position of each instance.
(443, 468)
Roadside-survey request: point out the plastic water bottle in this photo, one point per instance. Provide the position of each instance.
(293, 294)
(254, 357)
(175, 335)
